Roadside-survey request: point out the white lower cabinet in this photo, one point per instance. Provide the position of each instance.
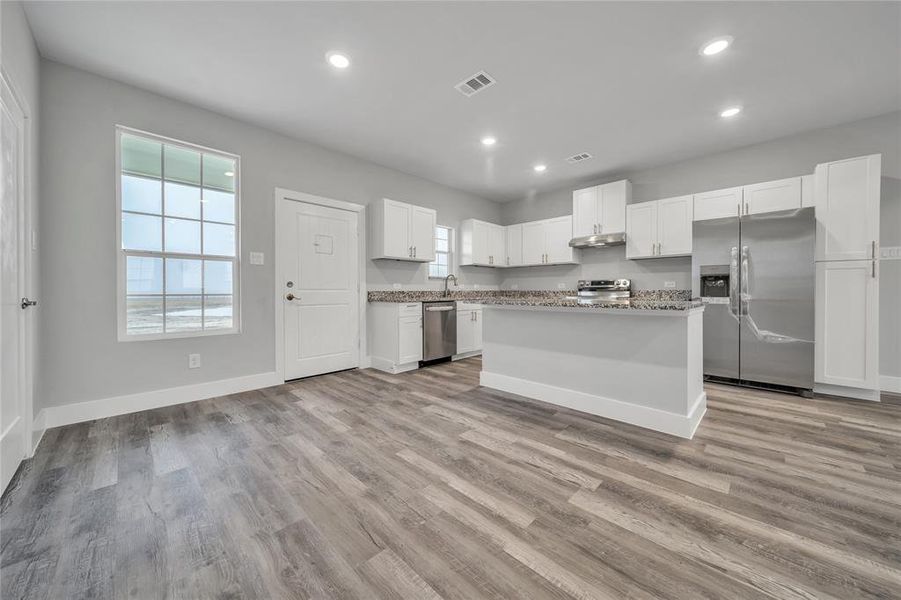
(469, 328)
(395, 335)
(847, 324)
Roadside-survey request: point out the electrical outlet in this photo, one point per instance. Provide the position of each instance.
(396, 286)
(257, 258)
(669, 284)
(515, 286)
(890, 252)
(193, 361)
(561, 286)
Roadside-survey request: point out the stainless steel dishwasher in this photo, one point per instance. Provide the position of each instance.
(439, 330)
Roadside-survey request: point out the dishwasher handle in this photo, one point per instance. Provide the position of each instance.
(439, 308)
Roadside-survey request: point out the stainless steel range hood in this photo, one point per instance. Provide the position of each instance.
(598, 240)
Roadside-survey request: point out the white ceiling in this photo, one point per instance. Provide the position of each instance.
(620, 80)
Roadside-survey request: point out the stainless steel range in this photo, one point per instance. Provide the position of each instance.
(596, 291)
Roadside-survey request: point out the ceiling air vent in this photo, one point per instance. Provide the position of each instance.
(577, 158)
(475, 83)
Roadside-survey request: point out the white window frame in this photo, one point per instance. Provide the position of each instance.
(121, 278)
(451, 252)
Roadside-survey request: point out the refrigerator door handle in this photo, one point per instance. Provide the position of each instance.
(745, 292)
(733, 281)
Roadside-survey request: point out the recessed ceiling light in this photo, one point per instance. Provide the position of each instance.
(730, 112)
(229, 173)
(489, 140)
(716, 46)
(540, 168)
(338, 60)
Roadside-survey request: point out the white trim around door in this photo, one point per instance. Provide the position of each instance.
(280, 195)
(16, 437)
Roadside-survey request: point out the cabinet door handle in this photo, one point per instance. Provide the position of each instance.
(874, 269)
(414, 251)
(873, 249)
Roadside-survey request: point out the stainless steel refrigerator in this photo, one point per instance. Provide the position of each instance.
(756, 276)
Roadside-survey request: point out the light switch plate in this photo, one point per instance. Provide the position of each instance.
(257, 258)
(193, 361)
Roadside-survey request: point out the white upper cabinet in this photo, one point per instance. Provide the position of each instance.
(601, 209)
(401, 231)
(718, 204)
(533, 243)
(772, 196)
(659, 228)
(546, 242)
(483, 244)
(585, 212)
(641, 230)
(674, 218)
(514, 245)
(847, 323)
(807, 191)
(558, 232)
(422, 233)
(847, 208)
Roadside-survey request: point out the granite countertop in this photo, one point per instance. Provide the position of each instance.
(640, 300)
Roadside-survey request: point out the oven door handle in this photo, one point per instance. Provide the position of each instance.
(733, 281)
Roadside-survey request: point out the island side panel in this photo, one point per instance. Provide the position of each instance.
(629, 366)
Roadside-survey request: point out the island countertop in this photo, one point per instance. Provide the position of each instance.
(641, 300)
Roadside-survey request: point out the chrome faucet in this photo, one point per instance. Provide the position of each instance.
(451, 276)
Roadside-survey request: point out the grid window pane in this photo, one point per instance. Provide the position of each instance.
(218, 173)
(178, 209)
(141, 156)
(182, 236)
(441, 233)
(141, 194)
(142, 232)
(217, 277)
(144, 275)
(182, 201)
(182, 165)
(218, 312)
(441, 245)
(143, 315)
(218, 206)
(183, 276)
(184, 313)
(218, 239)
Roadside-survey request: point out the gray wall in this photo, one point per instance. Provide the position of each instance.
(81, 359)
(784, 157)
(21, 62)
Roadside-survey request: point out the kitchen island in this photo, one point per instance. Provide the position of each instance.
(637, 361)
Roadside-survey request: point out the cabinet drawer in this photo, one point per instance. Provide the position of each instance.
(409, 309)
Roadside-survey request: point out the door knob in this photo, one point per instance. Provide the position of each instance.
(289, 297)
(26, 303)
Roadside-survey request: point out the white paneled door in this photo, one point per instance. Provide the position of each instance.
(15, 405)
(320, 262)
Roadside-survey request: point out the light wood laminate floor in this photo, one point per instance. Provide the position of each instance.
(423, 485)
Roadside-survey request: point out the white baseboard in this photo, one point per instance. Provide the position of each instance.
(651, 418)
(57, 416)
(38, 427)
(890, 383)
(846, 392)
(467, 355)
(388, 366)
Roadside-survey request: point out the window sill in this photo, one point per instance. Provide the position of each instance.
(177, 336)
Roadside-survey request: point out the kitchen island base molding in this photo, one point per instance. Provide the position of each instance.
(683, 426)
(642, 367)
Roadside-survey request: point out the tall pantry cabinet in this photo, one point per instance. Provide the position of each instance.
(847, 277)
